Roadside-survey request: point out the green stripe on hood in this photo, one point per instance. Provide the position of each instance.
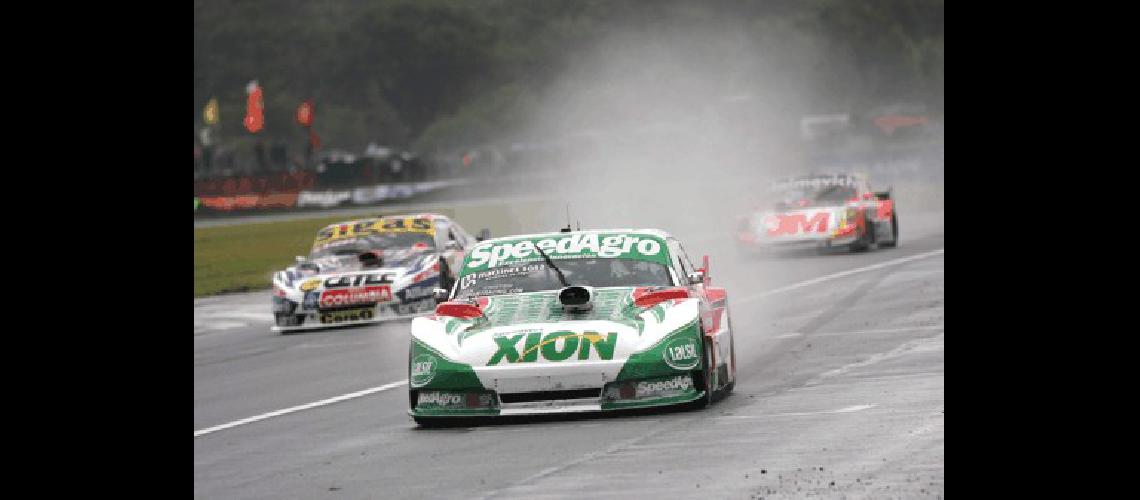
(428, 369)
(655, 361)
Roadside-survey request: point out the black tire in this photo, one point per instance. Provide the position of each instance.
(446, 422)
(864, 243)
(285, 319)
(731, 360)
(430, 422)
(894, 232)
(413, 395)
(706, 378)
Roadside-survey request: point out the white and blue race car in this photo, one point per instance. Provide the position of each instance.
(369, 270)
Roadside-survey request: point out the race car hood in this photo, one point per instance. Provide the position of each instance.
(385, 283)
(393, 258)
(527, 342)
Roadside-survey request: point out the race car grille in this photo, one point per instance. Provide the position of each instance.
(527, 397)
(363, 305)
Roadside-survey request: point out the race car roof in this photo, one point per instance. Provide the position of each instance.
(556, 234)
(853, 176)
(437, 217)
(817, 180)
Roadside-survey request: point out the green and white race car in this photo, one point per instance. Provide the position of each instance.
(572, 322)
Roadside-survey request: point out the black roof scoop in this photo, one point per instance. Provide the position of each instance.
(576, 298)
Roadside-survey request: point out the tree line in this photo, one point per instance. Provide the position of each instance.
(430, 75)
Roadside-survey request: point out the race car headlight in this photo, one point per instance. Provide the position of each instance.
(283, 305)
(851, 215)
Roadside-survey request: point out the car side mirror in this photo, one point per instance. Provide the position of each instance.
(696, 277)
(705, 271)
(439, 294)
(451, 245)
(483, 234)
(884, 195)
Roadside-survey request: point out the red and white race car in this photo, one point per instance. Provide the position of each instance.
(821, 211)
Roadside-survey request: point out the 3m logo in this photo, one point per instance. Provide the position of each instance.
(782, 224)
(554, 346)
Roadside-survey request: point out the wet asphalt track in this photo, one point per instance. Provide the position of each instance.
(839, 394)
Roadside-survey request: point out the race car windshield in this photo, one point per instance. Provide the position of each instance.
(536, 276)
(375, 241)
(815, 196)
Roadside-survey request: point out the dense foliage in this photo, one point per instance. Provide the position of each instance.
(443, 74)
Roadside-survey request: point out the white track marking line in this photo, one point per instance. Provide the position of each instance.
(323, 402)
(925, 344)
(249, 315)
(849, 409)
(856, 332)
(326, 344)
(829, 277)
(218, 325)
(385, 387)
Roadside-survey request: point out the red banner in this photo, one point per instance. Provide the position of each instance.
(889, 123)
(305, 114)
(239, 202)
(254, 117)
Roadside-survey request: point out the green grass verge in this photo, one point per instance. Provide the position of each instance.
(244, 257)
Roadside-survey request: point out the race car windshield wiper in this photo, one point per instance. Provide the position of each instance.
(552, 266)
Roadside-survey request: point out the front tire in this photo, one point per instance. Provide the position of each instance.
(430, 422)
(867, 239)
(731, 359)
(706, 378)
(894, 232)
(287, 320)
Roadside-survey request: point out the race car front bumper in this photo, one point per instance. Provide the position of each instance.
(309, 319)
(760, 244)
(612, 396)
(667, 372)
